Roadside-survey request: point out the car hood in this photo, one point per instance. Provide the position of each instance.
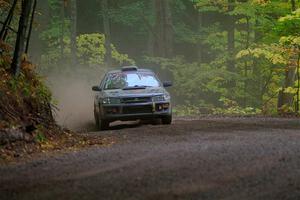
(150, 91)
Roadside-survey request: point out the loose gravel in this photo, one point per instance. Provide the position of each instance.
(195, 158)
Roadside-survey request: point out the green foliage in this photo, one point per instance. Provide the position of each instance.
(293, 41)
(120, 58)
(128, 14)
(40, 137)
(90, 51)
(185, 110)
(43, 93)
(231, 107)
(277, 53)
(273, 53)
(195, 83)
(266, 45)
(260, 62)
(91, 48)
(33, 88)
(21, 84)
(289, 24)
(211, 5)
(13, 83)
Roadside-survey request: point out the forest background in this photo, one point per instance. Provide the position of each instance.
(223, 56)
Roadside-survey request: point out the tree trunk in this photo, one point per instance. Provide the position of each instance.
(151, 36)
(298, 83)
(7, 21)
(164, 29)
(246, 64)
(286, 99)
(30, 26)
(159, 43)
(199, 45)
(106, 27)
(62, 15)
(231, 37)
(168, 29)
(258, 84)
(293, 4)
(73, 32)
(21, 36)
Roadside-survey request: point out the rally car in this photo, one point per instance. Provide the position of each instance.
(131, 94)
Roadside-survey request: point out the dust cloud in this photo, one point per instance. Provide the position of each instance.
(74, 98)
(73, 95)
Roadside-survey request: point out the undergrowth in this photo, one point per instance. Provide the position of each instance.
(26, 122)
(229, 107)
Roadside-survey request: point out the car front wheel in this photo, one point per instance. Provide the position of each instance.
(103, 124)
(96, 117)
(167, 119)
(100, 123)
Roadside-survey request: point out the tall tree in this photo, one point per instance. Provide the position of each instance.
(73, 32)
(164, 29)
(199, 46)
(7, 21)
(151, 34)
(21, 36)
(293, 2)
(30, 26)
(62, 15)
(168, 26)
(231, 36)
(284, 98)
(106, 27)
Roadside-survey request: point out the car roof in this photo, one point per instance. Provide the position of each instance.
(128, 70)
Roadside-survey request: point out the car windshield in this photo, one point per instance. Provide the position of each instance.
(123, 80)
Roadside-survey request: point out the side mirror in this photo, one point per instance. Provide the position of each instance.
(167, 84)
(96, 88)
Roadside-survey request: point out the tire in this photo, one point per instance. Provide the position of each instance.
(100, 123)
(166, 120)
(103, 124)
(96, 117)
(155, 121)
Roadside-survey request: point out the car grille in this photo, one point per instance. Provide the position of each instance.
(129, 100)
(137, 109)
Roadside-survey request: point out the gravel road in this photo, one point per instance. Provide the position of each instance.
(205, 158)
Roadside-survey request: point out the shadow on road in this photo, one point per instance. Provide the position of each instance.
(118, 125)
(122, 125)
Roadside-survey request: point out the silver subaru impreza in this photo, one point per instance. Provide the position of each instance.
(130, 94)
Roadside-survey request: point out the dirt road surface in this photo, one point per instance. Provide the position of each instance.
(205, 158)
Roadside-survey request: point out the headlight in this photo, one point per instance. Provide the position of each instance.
(110, 100)
(159, 98)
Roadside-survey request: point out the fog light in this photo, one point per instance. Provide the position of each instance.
(165, 106)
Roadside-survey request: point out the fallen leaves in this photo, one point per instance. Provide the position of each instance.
(65, 141)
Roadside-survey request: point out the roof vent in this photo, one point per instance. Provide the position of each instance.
(129, 68)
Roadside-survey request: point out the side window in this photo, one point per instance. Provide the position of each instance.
(103, 81)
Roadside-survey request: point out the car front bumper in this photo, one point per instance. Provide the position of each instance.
(134, 111)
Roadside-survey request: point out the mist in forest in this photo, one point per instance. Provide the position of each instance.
(206, 48)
